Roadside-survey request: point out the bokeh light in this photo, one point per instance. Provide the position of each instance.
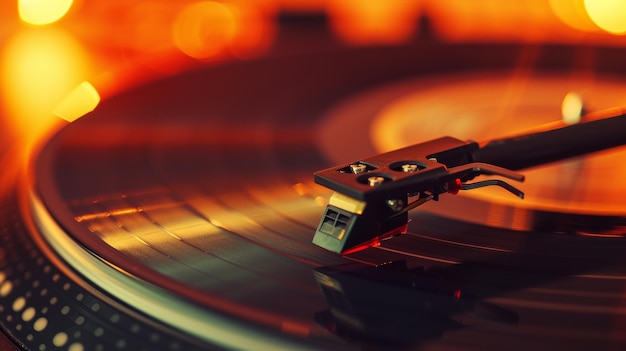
(573, 13)
(303, 5)
(39, 68)
(572, 108)
(609, 15)
(374, 21)
(210, 30)
(40, 12)
(204, 29)
(494, 20)
(80, 101)
(256, 30)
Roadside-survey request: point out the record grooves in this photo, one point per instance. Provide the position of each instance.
(179, 216)
(54, 307)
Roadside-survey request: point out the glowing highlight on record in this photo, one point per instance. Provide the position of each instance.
(40, 12)
(609, 15)
(80, 101)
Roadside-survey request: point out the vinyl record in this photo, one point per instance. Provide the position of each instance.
(179, 214)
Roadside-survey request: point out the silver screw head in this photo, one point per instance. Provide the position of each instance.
(357, 168)
(409, 168)
(375, 181)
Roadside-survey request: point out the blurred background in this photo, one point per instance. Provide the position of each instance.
(48, 47)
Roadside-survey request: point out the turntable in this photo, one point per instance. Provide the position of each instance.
(181, 213)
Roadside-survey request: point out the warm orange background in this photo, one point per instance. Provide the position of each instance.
(47, 47)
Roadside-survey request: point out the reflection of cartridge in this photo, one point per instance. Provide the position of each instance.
(360, 305)
(392, 303)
